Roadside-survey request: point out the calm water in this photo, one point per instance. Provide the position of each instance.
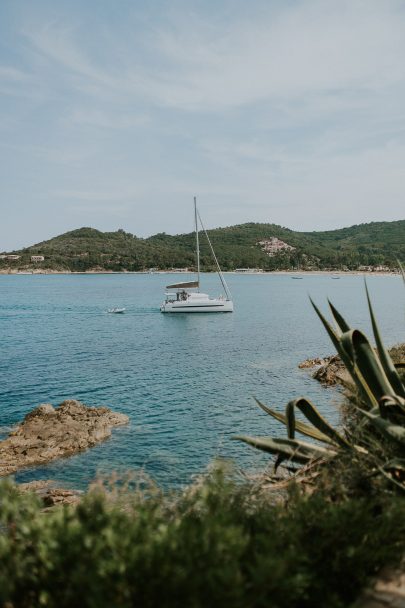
(186, 381)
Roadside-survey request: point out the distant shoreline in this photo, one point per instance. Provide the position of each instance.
(337, 273)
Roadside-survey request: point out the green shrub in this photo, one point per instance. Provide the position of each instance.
(217, 544)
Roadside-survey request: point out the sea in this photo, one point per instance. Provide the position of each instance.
(186, 381)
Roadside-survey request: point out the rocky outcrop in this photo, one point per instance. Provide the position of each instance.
(50, 494)
(308, 363)
(48, 433)
(330, 370)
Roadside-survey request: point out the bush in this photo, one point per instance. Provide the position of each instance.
(217, 544)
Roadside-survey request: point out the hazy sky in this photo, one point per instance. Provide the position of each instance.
(114, 113)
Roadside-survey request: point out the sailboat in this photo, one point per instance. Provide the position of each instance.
(186, 296)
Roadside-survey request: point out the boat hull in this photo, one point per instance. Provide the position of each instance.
(189, 307)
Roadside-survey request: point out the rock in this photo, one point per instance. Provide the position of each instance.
(50, 495)
(48, 433)
(330, 370)
(387, 590)
(308, 363)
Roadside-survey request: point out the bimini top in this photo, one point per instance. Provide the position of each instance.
(186, 285)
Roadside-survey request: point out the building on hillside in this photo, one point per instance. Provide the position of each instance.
(382, 268)
(273, 245)
(365, 268)
(37, 258)
(13, 257)
(250, 270)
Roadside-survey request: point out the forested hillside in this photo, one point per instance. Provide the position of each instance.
(242, 246)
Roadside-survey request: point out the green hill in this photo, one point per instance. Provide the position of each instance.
(374, 244)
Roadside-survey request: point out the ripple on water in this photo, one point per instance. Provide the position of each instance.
(186, 381)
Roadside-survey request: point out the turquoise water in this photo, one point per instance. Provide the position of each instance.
(186, 381)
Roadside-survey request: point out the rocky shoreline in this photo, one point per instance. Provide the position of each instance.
(48, 433)
(329, 371)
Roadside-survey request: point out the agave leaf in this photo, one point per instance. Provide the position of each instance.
(391, 404)
(388, 429)
(331, 332)
(385, 359)
(365, 390)
(343, 326)
(290, 416)
(347, 357)
(369, 365)
(301, 427)
(313, 415)
(297, 451)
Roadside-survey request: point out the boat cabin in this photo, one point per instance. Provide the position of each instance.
(181, 294)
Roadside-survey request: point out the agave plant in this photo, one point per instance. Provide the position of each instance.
(380, 402)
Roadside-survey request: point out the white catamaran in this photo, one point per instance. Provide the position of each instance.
(184, 300)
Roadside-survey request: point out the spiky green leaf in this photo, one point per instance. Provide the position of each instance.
(345, 352)
(388, 429)
(385, 359)
(369, 365)
(301, 427)
(343, 326)
(313, 415)
(297, 451)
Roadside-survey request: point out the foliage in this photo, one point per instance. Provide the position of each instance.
(378, 243)
(217, 544)
(377, 396)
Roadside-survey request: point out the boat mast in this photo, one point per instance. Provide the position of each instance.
(219, 271)
(197, 242)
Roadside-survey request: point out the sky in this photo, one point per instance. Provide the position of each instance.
(115, 113)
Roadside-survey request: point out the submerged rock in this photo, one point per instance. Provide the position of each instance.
(48, 433)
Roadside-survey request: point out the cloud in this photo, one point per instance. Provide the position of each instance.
(12, 74)
(94, 196)
(308, 48)
(108, 119)
(291, 112)
(190, 62)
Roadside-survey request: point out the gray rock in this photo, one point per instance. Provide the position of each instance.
(48, 433)
(330, 370)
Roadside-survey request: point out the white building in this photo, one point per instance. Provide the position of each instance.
(37, 258)
(273, 245)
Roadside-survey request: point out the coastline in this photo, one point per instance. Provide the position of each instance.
(337, 273)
